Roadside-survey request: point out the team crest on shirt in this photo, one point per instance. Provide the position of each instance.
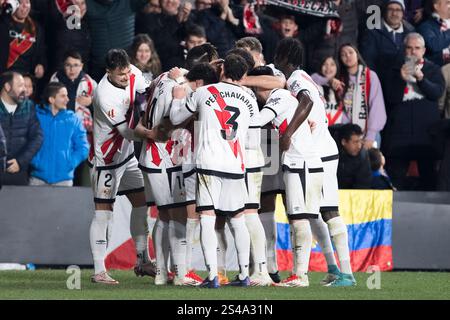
(295, 86)
(107, 192)
(274, 101)
(111, 113)
(126, 102)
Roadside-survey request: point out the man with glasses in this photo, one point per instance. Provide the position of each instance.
(80, 87)
(383, 49)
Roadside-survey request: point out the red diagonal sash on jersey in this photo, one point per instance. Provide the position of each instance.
(282, 127)
(337, 115)
(18, 47)
(223, 116)
(116, 142)
(156, 159)
(131, 107)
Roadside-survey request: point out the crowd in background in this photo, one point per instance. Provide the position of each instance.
(387, 88)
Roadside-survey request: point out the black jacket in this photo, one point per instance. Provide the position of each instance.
(385, 57)
(354, 172)
(408, 127)
(23, 136)
(26, 62)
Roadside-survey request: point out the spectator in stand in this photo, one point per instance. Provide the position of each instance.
(166, 30)
(383, 49)
(380, 179)
(25, 40)
(444, 102)
(144, 56)
(70, 31)
(436, 31)
(111, 26)
(29, 86)
(65, 143)
(332, 90)
(2, 154)
(221, 25)
(80, 87)
(414, 11)
(336, 33)
(408, 137)
(354, 166)
(21, 127)
(195, 35)
(152, 6)
(362, 104)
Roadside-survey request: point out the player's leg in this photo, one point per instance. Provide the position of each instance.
(222, 246)
(207, 189)
(233, 197)
(300, 228)
(193, 219)
(259, 274)
(132, 186)
(177, 239)
(105, 185)
(336, 225)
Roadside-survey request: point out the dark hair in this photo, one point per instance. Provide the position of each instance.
(154, 64)
(202, 53)
(51, 90)
(195, 30)
(234, 67)
(327, 89)
(348, 130)
(117, 58)
(72, 54)
(203, 71)
(249, 42)
(7, 77)
(244, 54)
(428, 7)
(343, 69)
(291, 50)
(375, 159)
(261, 71)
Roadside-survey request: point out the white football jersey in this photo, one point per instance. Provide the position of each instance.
(224, 118)
(158, 155)
(254, 154)
(280, 109)
(300, 81)
(113, 106)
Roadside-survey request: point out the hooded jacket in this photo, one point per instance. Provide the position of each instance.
(65, 145)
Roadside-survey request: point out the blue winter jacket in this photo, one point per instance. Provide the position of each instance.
(435, 40)
(65, 145)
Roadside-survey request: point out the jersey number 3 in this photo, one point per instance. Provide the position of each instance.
(226, 133)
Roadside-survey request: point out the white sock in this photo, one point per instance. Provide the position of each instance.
(208, 240)
(139, 232)
(270, 228)
(321, 234)
(257, 241)
(160, 241)
(191, 228)
(302, 245)
(177, 238)
(338, 232)
(97, 236)
(222, 246)
(242, 243)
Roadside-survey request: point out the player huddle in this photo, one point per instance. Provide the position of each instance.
(201, 163)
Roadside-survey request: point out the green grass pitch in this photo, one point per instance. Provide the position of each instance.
(51, 284)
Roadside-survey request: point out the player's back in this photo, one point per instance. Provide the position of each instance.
(224, 119)
(301, 81)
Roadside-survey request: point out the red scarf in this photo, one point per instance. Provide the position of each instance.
(18, 47)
